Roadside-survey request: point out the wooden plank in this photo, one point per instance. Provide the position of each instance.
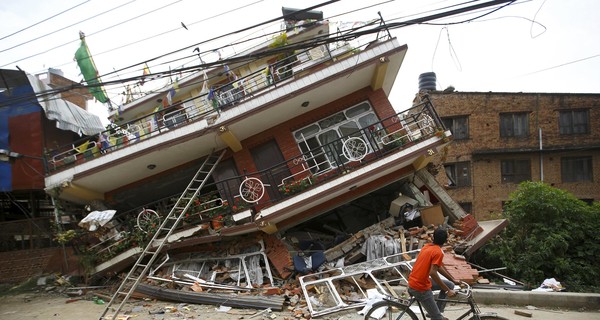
(403, 246)
(402, 241)
(411, 241)
(390, 289)
(523, 313)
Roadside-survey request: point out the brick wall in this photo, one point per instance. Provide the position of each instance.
(77, 96)
(485, 149)
(18, 266)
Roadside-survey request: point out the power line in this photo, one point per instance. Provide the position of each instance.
(168, 31)
(320, 40)
(502, 4)
(325, 39)
(562, 64)
(162, 74)
(225, 35)
(55, 31)
(35, 24)
(93, 33)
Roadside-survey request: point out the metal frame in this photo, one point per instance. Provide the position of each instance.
(176, 266)
(395, 263)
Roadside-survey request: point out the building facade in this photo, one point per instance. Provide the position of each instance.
(267, 141)
(501, 139)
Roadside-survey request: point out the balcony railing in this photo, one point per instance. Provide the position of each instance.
(33, 233)
(226, 198)
(203, 107)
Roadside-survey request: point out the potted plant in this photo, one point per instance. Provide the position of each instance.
(217, 222)
(295, 186)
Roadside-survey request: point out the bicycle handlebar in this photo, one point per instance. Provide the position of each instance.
(465, 289)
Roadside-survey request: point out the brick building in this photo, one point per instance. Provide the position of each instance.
(28, 127)
(501, 139)
(54, 78)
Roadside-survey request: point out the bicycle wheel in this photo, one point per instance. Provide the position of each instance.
(391, 311)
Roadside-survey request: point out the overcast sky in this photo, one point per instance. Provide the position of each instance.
(530, 46)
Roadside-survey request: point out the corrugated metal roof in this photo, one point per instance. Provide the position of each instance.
(68, 116)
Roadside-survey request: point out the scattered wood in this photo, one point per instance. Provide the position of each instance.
(523, 313)
(212, 281)
(403, 246)
(390, 289)
(196, 287)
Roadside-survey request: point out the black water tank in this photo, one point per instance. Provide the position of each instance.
(427, 81)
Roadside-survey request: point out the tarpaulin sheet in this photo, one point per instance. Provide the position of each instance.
(96, 219)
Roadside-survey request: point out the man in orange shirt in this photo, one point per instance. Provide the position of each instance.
(428, 264)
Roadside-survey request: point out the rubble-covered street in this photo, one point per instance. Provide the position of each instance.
(42, 305)
(271, 277)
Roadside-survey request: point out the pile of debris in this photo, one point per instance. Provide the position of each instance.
(308, 280)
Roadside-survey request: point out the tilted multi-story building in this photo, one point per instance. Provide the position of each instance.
(307, 132)
(295, 136)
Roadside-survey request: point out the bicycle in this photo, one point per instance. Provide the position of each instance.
(399, 309)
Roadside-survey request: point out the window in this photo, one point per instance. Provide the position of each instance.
(514, 125)
(515, 171)
(459, 174)
(467, 206)
(576, 169)
(322, 137)
(574, 121)
(459, 126)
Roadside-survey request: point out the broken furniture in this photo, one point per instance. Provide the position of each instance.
(243, 266)
(326, 292)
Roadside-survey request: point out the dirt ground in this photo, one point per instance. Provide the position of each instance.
(26, 306)
(43, 306)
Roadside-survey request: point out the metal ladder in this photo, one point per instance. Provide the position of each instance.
(154, 246)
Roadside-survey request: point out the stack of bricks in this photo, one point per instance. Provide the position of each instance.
(459, 269)
(278, 255)
(467, 227)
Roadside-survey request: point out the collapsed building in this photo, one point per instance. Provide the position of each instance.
(231, 177)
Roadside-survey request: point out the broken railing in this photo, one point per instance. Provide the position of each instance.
(322, 290)
(244, 270)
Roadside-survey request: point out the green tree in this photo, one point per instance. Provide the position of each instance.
(551, 234)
